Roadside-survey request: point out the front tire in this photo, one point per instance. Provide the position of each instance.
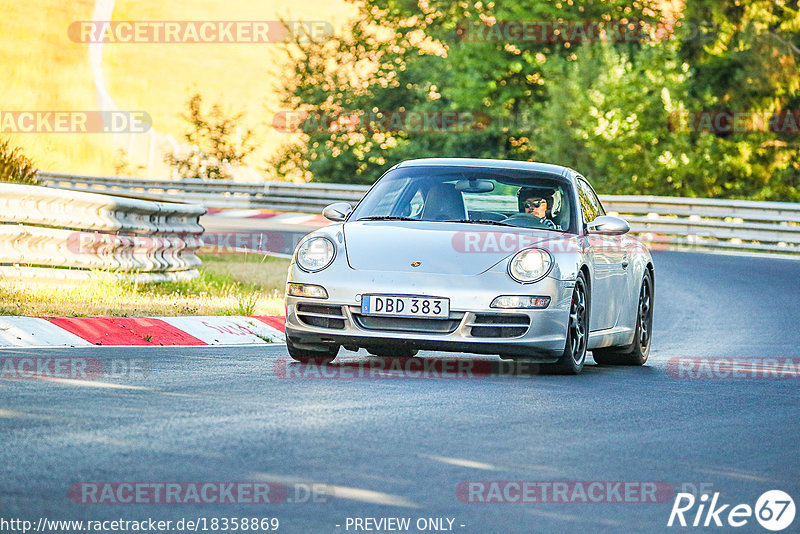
(316, 357)
(637, 352)
(574, 355)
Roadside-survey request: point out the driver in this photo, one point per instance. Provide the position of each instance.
(536, 205)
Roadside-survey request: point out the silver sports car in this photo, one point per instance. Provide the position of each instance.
(511, 258)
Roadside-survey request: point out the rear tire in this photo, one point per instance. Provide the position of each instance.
(637, 352)
(317, 357)
(574, 355)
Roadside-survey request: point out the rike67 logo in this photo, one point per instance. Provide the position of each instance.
(774, 510)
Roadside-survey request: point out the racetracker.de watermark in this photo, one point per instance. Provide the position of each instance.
(197, 31)
(389, 368)
(564, 491)
(374, 121)
(198, 492)
(72, 368)
(732, 122)
(492, 242)
(575, 32)
(563, 31)
(698, 368)
(142, 246)
(272, 242)
(75, 121)
(250, 241)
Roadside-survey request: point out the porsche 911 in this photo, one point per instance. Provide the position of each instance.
(508, 258)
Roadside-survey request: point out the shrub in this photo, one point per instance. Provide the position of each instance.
(16, 167)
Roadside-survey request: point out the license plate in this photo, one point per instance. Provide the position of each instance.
(405, 306)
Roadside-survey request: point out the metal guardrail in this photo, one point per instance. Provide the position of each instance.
(706, 224)
(281, 196)
(57, 234)
(733, 225)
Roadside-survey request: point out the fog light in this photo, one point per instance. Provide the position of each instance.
(520, 301)
(307, 290)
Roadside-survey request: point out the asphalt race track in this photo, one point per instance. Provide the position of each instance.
(258, 235)
(400, 447)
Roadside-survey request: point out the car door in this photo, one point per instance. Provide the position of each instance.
(610, 264)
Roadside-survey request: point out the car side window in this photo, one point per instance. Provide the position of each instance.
(590, 204)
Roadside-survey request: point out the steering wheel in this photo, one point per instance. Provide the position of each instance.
(526, 220)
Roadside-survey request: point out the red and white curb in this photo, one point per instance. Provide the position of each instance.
(116, 331)
(274, 216)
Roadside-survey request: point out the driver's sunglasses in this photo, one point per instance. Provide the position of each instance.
(535, 204)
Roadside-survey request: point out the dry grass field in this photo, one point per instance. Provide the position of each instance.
(42, 69)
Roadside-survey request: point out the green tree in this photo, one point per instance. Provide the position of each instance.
(614, 110)
(403, 56)
(743, 57)
(217, 143)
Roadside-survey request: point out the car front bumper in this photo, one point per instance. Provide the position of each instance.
(473, 326)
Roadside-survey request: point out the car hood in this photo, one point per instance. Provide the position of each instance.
(439, 247)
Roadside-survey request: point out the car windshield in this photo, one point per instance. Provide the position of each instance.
(504, 197)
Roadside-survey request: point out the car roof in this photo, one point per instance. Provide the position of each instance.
(545, 169)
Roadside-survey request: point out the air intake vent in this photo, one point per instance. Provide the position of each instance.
(499, 325)
(409, 324)
(321, 315)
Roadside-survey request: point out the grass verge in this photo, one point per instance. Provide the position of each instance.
(231, 284)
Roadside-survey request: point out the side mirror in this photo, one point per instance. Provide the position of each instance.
(338, 211)
(608, 225)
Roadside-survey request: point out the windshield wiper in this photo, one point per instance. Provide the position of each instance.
(386, 218)
(482, 221)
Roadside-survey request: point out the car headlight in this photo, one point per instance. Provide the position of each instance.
(315, 254)
(530, 265)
